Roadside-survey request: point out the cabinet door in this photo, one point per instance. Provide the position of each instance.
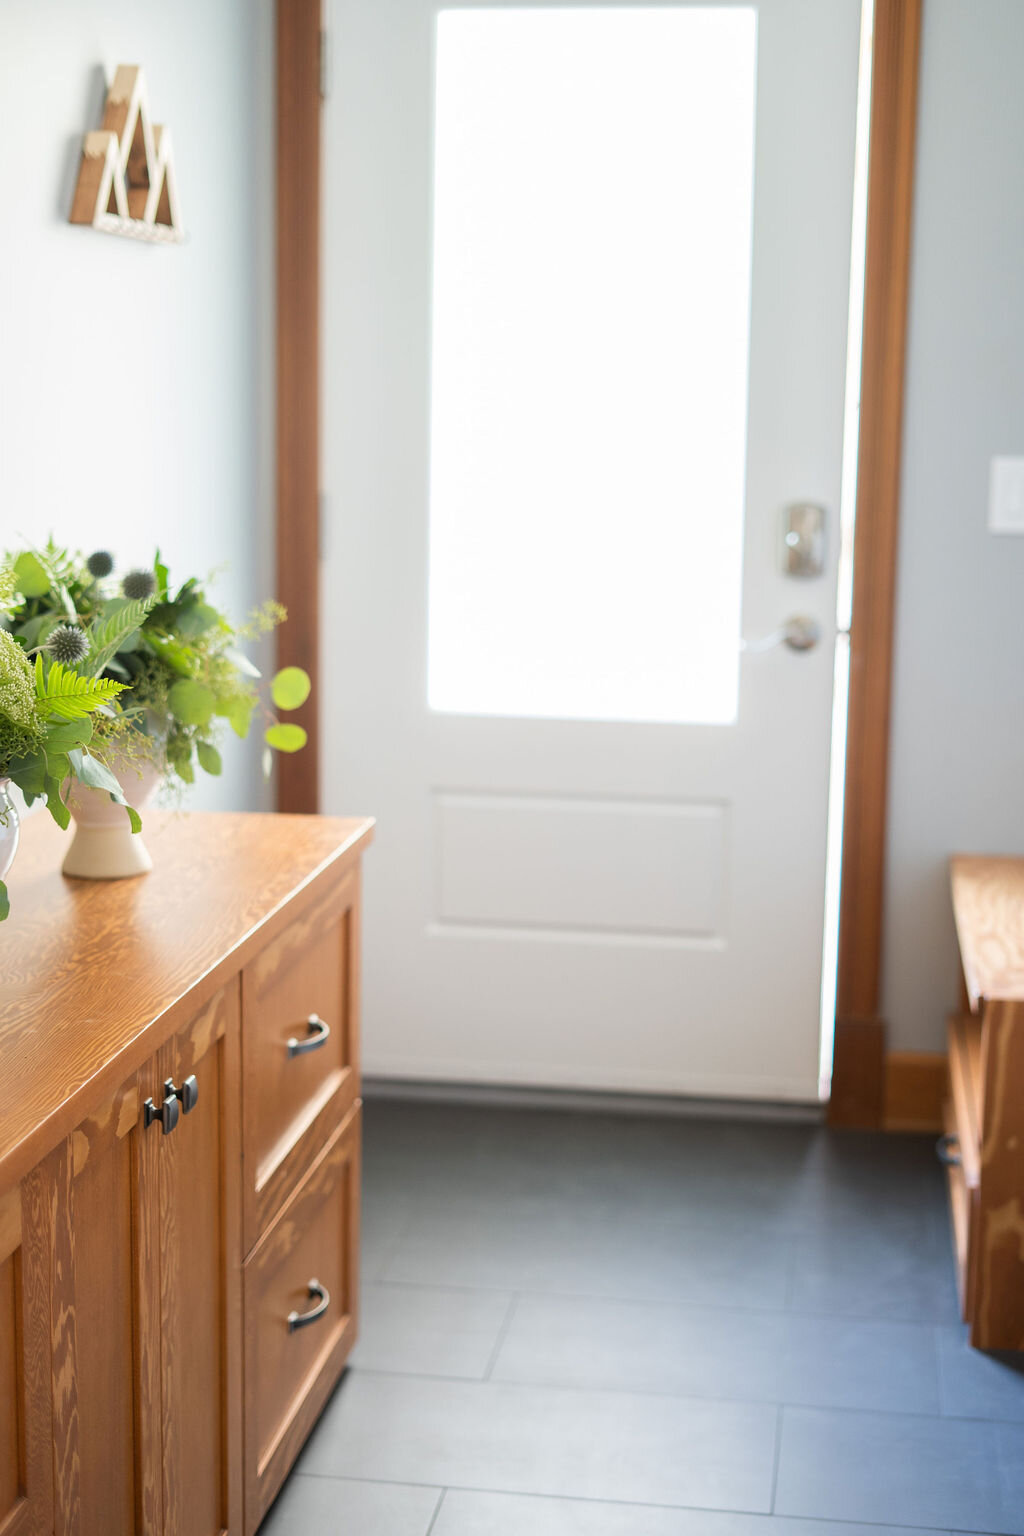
(26, 1466)
(200, 1278)
(104, 1335)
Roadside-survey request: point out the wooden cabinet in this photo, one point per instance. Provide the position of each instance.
(26, 1464)
(984, 1145)
(150, 1261)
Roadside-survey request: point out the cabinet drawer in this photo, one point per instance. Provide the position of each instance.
(299, 1067)
(300, 1314)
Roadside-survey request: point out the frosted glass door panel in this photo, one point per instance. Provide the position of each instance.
(593, 192)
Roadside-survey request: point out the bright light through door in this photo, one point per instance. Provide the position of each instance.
(592, 245)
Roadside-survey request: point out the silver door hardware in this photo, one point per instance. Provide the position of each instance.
(800, 633)
(803, 539)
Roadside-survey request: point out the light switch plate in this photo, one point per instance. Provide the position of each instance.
(1006, 496)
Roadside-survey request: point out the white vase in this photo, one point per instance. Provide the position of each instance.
(9, 829)
(104, 846)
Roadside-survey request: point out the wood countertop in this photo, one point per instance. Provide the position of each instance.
(96, 974)
(988, 904)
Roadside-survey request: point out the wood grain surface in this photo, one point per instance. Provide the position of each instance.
(96, 975)
(988, 904)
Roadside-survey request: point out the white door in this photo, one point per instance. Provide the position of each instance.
(586, 290)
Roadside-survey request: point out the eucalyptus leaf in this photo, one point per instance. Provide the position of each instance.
(237, 710)
(191, 703)
(285, 738)
(196, 619)
(29, 773)
(290, 688)
(55, 805)
(209, 758)
(97, 775)
(67, 734)
(5, 904)
(31, 575)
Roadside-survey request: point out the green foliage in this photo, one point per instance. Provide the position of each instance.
(21, 729)
(5, 903)
(10, 597)
(114, 626)
(285, 738)
(62, 692)
(191, 703)
(290, 688)
(209, 758)
(31, 575)
(164, 673)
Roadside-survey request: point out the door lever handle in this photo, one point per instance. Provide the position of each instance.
(800, 633)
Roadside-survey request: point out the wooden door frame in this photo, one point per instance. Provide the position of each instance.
(298, 391)
(857, 1090)
(858, 1079)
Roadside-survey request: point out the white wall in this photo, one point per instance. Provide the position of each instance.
(135, 390)
(957, 765)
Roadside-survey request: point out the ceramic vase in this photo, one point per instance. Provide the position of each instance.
(104, 846)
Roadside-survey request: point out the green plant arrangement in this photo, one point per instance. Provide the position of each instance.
(48, 712)
(169, 665)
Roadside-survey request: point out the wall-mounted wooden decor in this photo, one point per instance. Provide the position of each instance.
(126, 182)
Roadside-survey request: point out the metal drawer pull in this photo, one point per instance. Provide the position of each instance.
(318, 1032)
(947, 1150)
(323, 1301)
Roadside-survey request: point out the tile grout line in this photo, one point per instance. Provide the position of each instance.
(685, 1397)
(780, 1410)
(437, 1511)
(506, 1323)
(632, 1504)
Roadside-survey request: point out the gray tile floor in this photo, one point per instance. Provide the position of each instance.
(582, 1325)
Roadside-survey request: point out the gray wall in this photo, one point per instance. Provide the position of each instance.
(135, 382)
(957, 764)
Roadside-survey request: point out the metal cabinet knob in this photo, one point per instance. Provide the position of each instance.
(175, 1100)
(169, 1112)
(323, 1301)
(318, 1035)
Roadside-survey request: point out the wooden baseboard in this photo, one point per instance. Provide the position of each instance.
(858, 1075)
(915, 1089)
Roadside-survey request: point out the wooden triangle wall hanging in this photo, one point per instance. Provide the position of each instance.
(126, 182)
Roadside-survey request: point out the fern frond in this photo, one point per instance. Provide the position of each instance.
(107, 636)
(61, 692)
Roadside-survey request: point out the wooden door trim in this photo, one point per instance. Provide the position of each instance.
(858, 1073)
(298, 155)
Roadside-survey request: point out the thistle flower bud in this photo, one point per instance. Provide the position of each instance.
(68, 644)
(100, 563)
(139, 585)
